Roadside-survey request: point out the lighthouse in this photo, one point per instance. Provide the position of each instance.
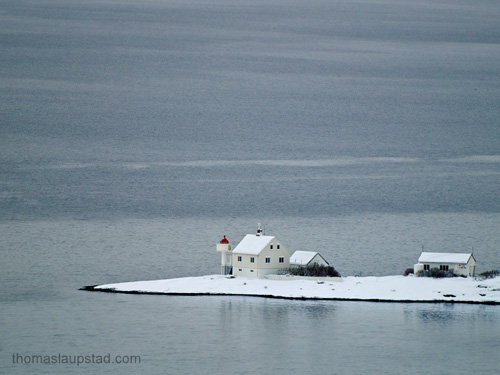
(224, 247)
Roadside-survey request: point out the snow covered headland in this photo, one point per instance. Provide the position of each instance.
(376, 289)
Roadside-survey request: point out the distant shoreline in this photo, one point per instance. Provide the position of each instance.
(388, 289)
(92, 289)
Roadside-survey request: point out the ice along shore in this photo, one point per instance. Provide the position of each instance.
(375, 289)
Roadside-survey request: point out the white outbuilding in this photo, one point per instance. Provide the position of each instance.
(307, 258)
(459, 263)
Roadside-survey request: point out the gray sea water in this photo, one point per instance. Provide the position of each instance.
(134, 135)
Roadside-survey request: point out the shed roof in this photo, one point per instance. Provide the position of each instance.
(252, 244)
(304, 257)
(459, 258)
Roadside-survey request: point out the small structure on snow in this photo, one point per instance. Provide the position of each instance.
(460, 264)
(224, 247)
(306, 259)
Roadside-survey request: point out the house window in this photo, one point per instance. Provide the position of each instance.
(239, 258)
(427, 267)
(268, 260)
(278, 246)
(443, 267)
(251, 270)
(282, 259)
(252, 260)
(271, 247)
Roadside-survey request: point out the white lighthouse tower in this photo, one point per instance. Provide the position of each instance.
(225, 248)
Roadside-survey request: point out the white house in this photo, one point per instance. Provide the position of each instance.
(307, 258)
(460, 264)
(256, 256)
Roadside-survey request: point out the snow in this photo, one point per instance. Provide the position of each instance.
(252, 244)
(387, 288)
(444, 258)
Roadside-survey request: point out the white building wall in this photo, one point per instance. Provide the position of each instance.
(466, 270)
(274, 256)
(259, 268)
(245, 272)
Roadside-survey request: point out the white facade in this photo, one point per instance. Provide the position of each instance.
(258, 255)
(307, 258)
(460, 264)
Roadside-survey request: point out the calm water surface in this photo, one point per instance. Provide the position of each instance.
(134, 135)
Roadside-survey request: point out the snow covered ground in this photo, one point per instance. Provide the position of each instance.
(387, 288)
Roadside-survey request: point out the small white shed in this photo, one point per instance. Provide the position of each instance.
(459, 263)
(307, 258)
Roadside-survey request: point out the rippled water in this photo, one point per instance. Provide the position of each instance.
(44, 264)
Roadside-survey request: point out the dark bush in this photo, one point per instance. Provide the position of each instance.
(489, 274)
(314, 270)
(408, 271)
(436, 273)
